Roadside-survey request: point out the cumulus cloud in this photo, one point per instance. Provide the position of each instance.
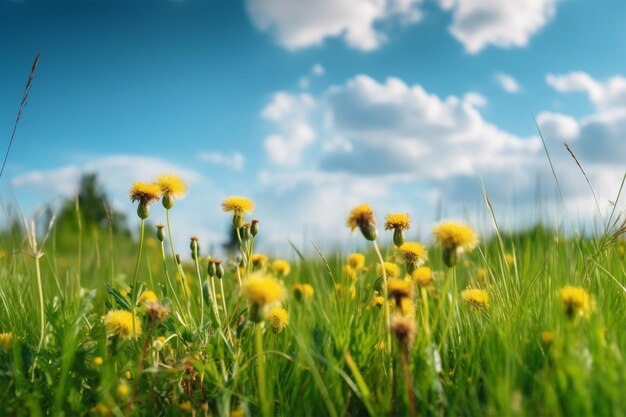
(507, 82)
(234, 161)
(607, 95)
(301, 24)
(480, 23)
(290, 113)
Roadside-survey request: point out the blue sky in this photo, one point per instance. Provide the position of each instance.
(312, 107)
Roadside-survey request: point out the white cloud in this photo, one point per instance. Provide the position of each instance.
(234, 161)
(607, 95)
(558, 126)
(301, 24)
(507, 82)
(318, 69)
(290, 113)
(480, 23)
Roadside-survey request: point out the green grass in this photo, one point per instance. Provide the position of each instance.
(480, 361)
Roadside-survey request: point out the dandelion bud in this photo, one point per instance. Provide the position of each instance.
(211, 270)
(369, 232)
(256, 312)
(206, 292)
(193, 243)
(167, 201)
(238, 221)
(245, 232)
(219, 269)
(160, 234)
(254, 228)
(143, 210)
(398, 237)
(450, 256)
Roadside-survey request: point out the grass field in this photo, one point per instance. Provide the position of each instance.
(543, 332)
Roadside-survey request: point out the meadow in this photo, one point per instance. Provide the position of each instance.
(510, 324)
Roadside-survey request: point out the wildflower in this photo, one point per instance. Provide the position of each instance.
(127, 375)
(262, 291)
(194, 246)
(238, 412)
(422, 276)
(576, 301)
(303, 291)
(120, 323)
(397, 289)
(160, 233)
(547, 337)
(146, 193)
(362, 217)
(475, 297)
(238, 206)
(404, 328)
(352, 292)
(156, 312)
(281, 268)
(413, 254)
(5, 341)
(406, 307)
(391, 270)
(254, 227)
(356, 261)
(349, 272)
(97, 361)
(455, 238)
(122, 390)
(278, 318)
(100, 409)
(377, 301)
(147, 297)
(171, 187)
(186, 406)
(258, 260)
(399, 223)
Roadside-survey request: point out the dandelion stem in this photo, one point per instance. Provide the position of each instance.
(133, 292)
(265, 406)
(385, 302)
(195, 258)
(179, 267)
(169, 281)
(408, 381)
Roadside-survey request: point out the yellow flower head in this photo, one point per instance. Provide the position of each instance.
(171, 185)
(144, 192)
(263, 290)
(186, 406)
(576, 301)
(122, 390)
(356, 260)
(453, 235)
(413, 254)
(399, 289)
(281, 267)
(120, 323)
(237, 205)
(238, 412)
(362, 216)
(101, 409)
(377, 301)
(349, 272)
(303, 291)
(391, 270)
(398, 221)
(422, 276)
(278, 318)
(475, 297)
(547, 337)
(147, 297)
(258, 260)
(5, 341)
(97, 361)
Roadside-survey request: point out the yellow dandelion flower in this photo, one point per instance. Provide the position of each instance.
(147, 297)
(262, 291)
(122, 390)
(120, 323)
(97, 361)
(407, 307)
(413, 254)
(237, 205)
(171, 185)
(281, 267)
(349, 272)
(392, 270)
(303, 291)
(258, 260)
(278, 318)
(455, 238)
(422, 276)
(186, 406)
(398, 221)
(475, 297)
(5, 341)
(356, 261)
(238, 412)
(100, 409)
(547, 337)
(398, 289)
(127, 375)
(352, 292)
(576, 301)
(377, 301)
(362, 216)
(144, 192)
